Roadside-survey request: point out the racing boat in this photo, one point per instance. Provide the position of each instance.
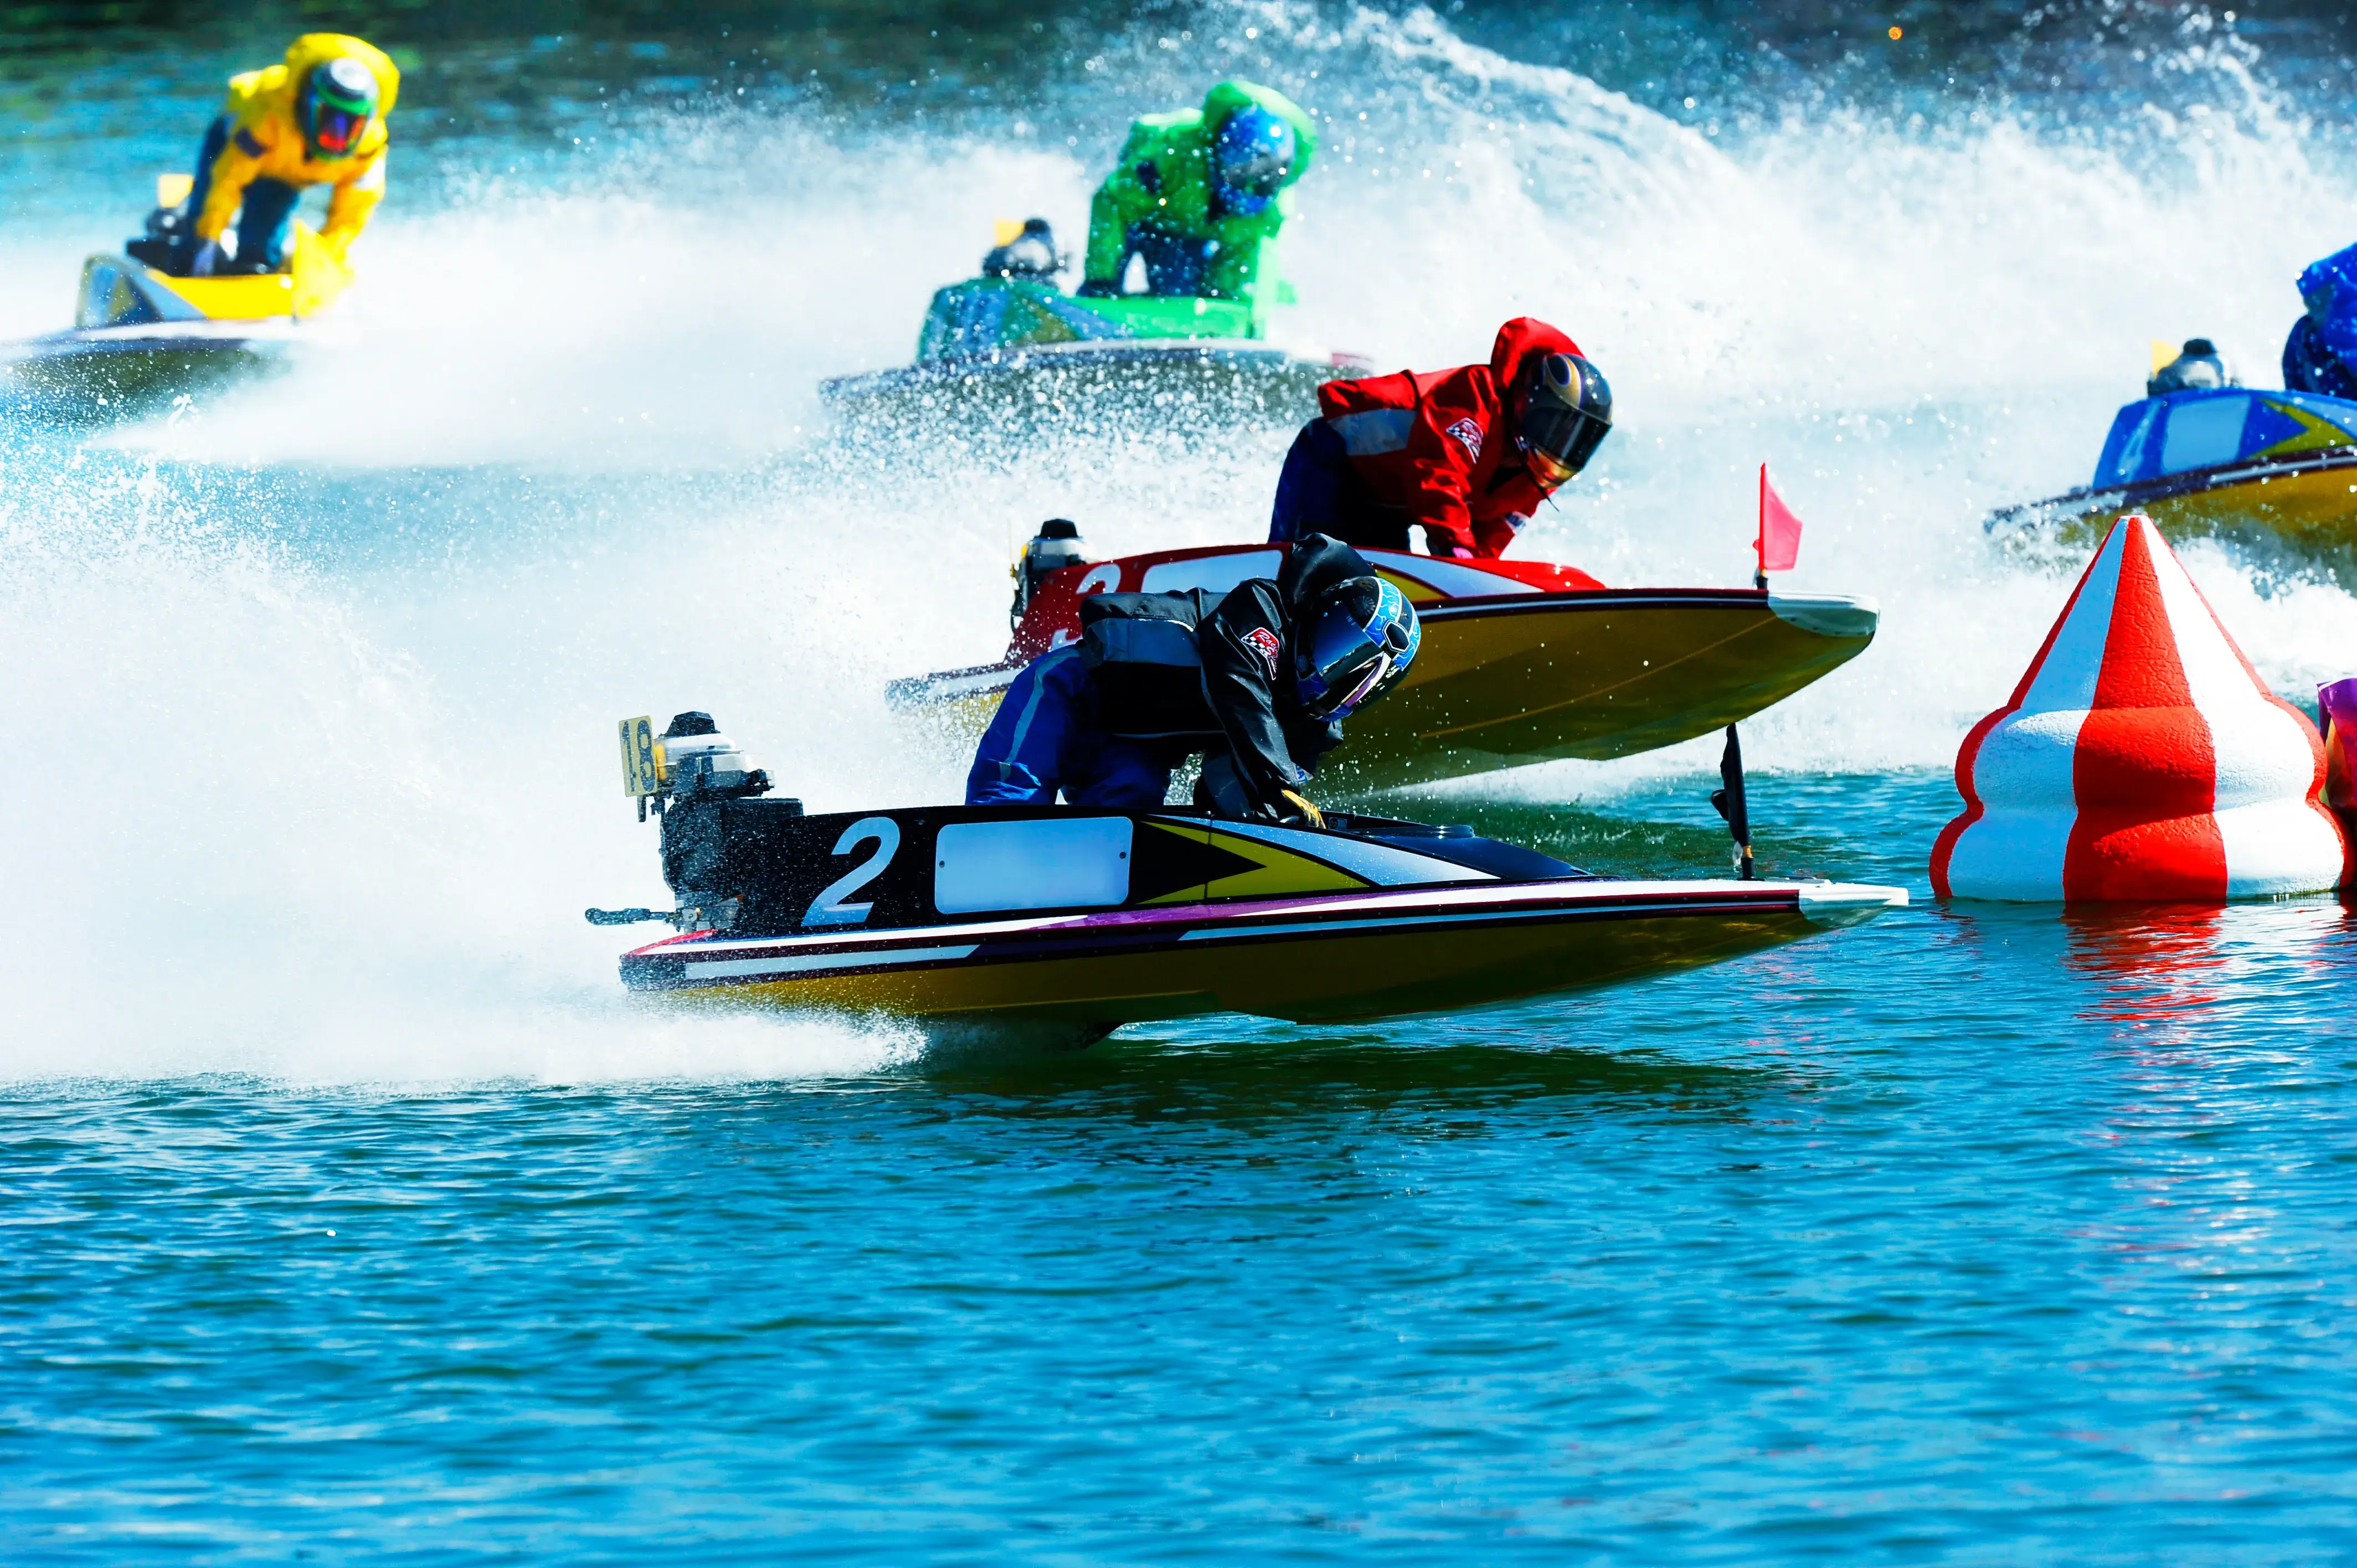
(2228, 461)
(1090, 920)
(140, 332)
(1017, 343)
(1521, 661)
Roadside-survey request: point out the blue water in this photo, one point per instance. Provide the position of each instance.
(1985, 1236)
(350, 1212)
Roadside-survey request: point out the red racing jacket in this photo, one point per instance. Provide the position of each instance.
(1439, 447)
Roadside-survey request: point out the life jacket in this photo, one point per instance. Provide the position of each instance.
(1146, 655)
(1144, 661)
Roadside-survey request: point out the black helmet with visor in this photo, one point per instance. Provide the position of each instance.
(1565, 416)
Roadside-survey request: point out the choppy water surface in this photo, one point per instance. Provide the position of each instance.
(351, 1211)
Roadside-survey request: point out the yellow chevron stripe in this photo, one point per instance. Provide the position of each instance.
(1276, 871)
(2315, 435)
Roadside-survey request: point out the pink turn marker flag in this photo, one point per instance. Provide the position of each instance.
(1779, 531)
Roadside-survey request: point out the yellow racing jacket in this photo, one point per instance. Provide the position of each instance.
(266, 142)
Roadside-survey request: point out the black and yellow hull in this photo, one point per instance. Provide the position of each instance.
(1097, 919)
(1331, 957)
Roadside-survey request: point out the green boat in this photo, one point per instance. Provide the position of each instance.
(1020, 346)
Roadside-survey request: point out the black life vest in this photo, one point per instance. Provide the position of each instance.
(1142, 658)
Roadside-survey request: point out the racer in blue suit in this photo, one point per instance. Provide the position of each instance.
(2320, 355)
(1258, 680)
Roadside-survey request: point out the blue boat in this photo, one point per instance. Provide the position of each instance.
(2223, 461)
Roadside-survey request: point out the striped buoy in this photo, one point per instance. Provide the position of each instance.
(2141, 757)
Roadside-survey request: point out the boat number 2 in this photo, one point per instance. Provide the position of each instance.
(829, 908)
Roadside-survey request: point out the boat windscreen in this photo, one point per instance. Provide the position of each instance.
(1458, 844)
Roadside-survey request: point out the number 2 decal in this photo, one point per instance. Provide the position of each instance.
(829, 908)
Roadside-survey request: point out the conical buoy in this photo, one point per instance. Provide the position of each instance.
(2141, 757)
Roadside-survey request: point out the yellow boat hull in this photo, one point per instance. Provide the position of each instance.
(2306, 504)
(117, 292)
(1502, 682)
(1499, 683)
(141, 335)
(1336, 959)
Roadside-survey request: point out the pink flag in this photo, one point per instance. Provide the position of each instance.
(1779, 530)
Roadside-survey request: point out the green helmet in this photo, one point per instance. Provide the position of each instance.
(337, 100)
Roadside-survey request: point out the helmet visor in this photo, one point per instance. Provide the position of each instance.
(1252, 156)
(1351, 655)
(340, 98)
(1547, 471)
(1565, 418)
(1256, 171)
(1344, 666)
(1561, 441)
(337, 131)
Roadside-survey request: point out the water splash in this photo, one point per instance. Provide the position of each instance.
(323, 672)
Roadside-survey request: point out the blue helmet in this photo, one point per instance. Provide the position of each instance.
(2328, 289)
(1355, 643)
(1251, 157)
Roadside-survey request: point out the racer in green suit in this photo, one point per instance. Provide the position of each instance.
(1200, 193)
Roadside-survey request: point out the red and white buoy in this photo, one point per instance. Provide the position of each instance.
(2141, 757)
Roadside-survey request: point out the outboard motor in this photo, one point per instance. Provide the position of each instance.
(706, 769)
(1030, 256)
(693, 776)
(159, 246)
(1057, 545)
(165, 243)
(703, 763)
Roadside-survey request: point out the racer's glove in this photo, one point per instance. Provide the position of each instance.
(1443, 544)
(1098, 288)
(206, 261)
(1304, 814)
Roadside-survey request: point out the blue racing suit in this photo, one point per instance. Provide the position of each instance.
(1156, 678)
(1046, 736)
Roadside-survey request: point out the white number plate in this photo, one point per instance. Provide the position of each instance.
(643, 769)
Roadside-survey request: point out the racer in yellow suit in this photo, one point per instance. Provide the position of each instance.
(316, 118)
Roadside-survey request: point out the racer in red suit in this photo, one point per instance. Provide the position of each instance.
(1466, 455)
